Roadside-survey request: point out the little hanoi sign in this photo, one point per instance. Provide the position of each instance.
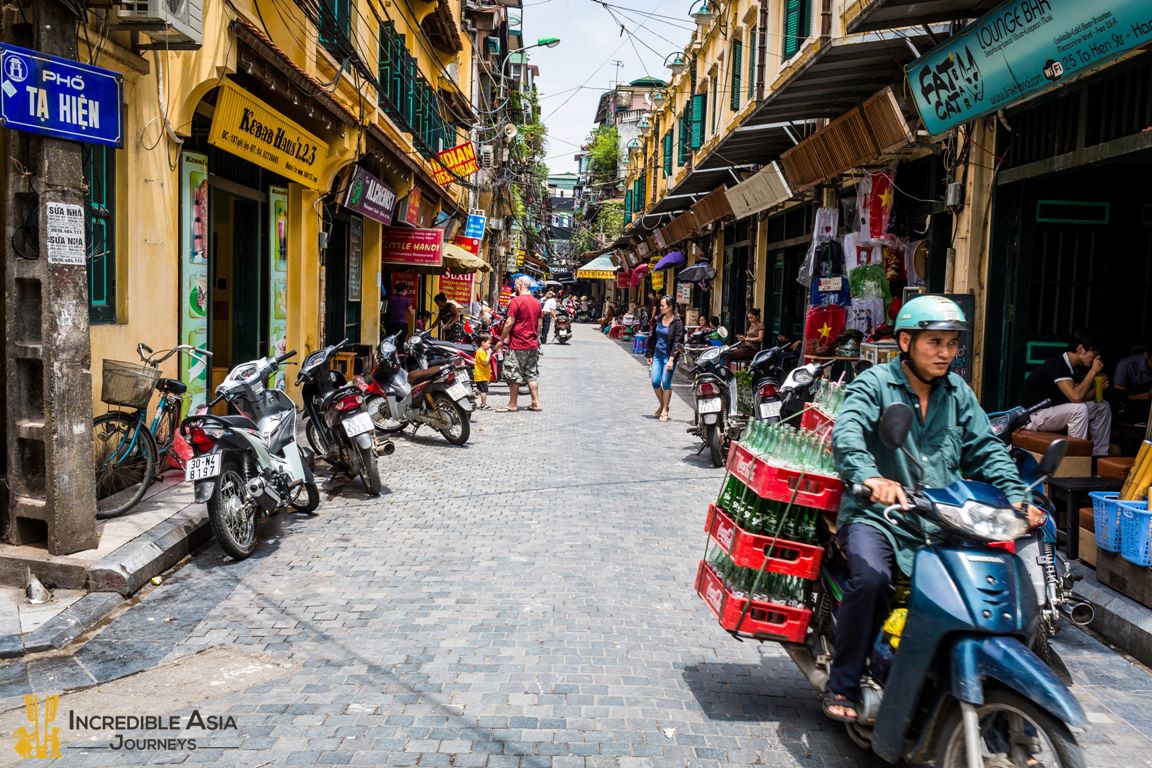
(247, 127)
(414, 247)
(60, 98)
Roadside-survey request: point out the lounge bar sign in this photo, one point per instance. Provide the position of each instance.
(369, 196)
(247, 127)
(1020, 49)
(413, 247)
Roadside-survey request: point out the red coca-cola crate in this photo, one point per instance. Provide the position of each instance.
(750, 550)
(765, 621)
(779, 484)
(815, 420)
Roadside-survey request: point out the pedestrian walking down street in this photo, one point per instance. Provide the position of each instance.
(482, 368)
(664, 346)
(549, 309)
(522, 333)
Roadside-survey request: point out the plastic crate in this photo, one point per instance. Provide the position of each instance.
(1106, 518)
(765, 621)
(750, 550)
(815, 420)
(127, 384)
(1136, 532)
(779, 484)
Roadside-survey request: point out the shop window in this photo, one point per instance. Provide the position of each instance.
(699, 126)
(797, 24)
(668, 153)
(1072, 212)
(737, 56)
(100, 226)
(752, 63)
(336, 27)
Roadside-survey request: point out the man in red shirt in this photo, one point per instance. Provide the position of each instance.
(522, 333)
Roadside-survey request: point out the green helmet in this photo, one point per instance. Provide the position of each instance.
(931, 313)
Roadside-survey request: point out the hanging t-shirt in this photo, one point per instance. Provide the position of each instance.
(870, 282)
(858, 251)
(866, 315)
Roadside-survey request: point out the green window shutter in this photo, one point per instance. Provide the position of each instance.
(736, 63)
(668, 153)
(797, 22)
(699, 108)
(100, 231)
(752, 64)
(628, 206)
(685, 134)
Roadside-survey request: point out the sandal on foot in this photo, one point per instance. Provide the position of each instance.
(663, 417)
(845, 704)
(507, 410)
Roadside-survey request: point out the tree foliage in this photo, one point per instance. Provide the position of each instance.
(604, 154)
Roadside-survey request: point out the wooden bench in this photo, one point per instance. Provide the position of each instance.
(1077, 462)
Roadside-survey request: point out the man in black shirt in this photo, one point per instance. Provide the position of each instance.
(1071, 394)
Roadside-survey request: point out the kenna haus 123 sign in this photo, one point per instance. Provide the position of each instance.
(1019, 49)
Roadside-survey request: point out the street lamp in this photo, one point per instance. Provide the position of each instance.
(543, 42)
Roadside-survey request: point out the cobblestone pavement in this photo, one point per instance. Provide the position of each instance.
(523, 601)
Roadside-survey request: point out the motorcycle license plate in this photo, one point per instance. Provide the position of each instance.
(358, 424)
(770, 410)
(202, 467)
(711, 405)
(457, 391)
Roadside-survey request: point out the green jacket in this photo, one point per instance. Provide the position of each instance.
(956, 441)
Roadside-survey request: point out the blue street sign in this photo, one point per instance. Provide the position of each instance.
(475, 226)
(61, 98)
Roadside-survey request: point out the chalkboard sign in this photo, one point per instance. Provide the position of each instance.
(962, 364)
(355, 256)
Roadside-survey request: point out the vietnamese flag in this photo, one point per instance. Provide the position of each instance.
(880, 204)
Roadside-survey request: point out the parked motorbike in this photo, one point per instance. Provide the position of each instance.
(248, 464)
(715, 413)
(563, 326)
(337, 424)
(430, 395)
(959, 685)
(769, 368)
(1051, 577)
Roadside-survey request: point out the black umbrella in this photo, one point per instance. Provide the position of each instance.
(696, 273)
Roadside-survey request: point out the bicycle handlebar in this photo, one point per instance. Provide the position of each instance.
(188, 349)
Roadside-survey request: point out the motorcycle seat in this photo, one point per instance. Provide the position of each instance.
(423, 374)
(243, 422)
(469, 349)
(173, 386)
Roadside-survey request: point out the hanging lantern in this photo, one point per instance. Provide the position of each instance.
(703, 14)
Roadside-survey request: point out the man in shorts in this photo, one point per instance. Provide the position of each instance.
(522, 333)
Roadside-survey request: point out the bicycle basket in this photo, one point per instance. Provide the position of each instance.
(127, 384)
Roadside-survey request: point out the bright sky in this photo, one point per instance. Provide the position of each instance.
(576, 72)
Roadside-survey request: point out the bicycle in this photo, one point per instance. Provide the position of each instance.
(128, 451)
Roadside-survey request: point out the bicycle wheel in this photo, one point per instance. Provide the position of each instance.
(164, 432)
(124, 456)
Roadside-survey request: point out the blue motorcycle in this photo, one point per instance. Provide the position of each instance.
(953, 680)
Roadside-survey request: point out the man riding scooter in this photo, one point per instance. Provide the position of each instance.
(951, 438)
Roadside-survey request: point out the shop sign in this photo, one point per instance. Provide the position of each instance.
(355, 257)
(61, 98)
(657, 281)
(408, 212)
(475, 225)
(623, 280)
(505, 297)
(194, 273)
(278, 276)
(415, 247)
(457, 162)
(247, 127)
(1021, 48)
(683, 293)
(470, 244)
(369, 196)
(457, 288)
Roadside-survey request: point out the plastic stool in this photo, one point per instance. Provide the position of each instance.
(615, 332)
(640, 344)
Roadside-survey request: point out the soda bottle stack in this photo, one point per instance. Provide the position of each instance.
(767, 587)
(783, 445)
(829, 396)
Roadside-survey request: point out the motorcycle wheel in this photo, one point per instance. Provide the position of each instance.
(369, 470)
(314, 441)
(461, 427)
(715, 445)
(305, 499)
(232, 516)
(1008, 710)
(377, 408)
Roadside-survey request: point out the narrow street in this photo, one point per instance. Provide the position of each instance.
(525, 600)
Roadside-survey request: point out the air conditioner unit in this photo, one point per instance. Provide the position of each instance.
(487, 156)
(177, 24)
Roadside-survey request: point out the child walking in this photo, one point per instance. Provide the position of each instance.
(482, 369)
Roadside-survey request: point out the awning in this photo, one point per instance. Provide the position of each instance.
(460, 261)
(670, 260)
(886, 14)
(600, 268)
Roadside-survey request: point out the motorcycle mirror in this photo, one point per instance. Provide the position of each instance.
(1052, 457)
(895, 423)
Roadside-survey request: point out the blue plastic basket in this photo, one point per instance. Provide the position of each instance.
(1136, 536)
(1106, 515)
(716, 342)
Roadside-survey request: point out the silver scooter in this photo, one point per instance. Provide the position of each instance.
(248, 464)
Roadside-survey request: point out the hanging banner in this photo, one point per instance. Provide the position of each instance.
(369, 196)
(657, 281)
(415, 247)
(505, 297)
(1020, 49)
(194, 273)
(457, 162)
(457, 288)
(245, 126)
(278, 276)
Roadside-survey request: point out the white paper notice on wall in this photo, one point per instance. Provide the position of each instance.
(66, 234)
(830, 284)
